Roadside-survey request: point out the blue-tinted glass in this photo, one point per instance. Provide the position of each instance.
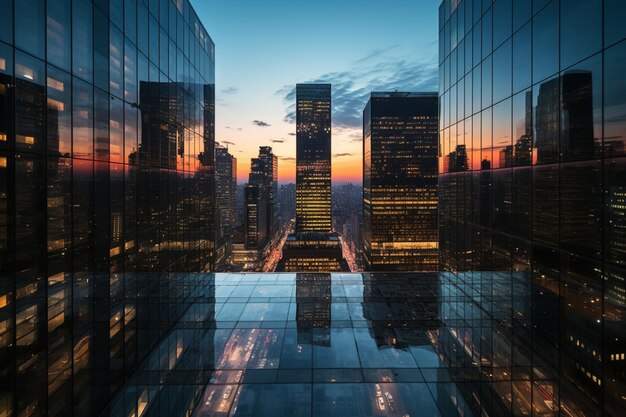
(522, 128)
(477, 11)
(521, 13)
(522, 58)
(614, 27)
(116, 13)
(116, 130)
(502, 21)
(143, 38)
(130, 73)
(59, 112)
(163, 51)
(163, 13)
(538, 4)
(30, 26)
(82, 39)
(487, 74)
(130, 20)
(546, 43)
(476, 48)
(154, 40)
(476, 91)
(59, 33)
(116, 61)
(581, 30)
(82, 133)
(486, 141)
(6, 21)
(487, 33)
(502, 72)
(453, 31)
(101, 125)
(615, 100)
(101, 50)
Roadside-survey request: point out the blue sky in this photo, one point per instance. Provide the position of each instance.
(263, 48)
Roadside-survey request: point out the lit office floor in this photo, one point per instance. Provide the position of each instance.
(344, 345)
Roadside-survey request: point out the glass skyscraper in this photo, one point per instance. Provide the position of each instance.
(532, 177)
(225, 205)
(314, 246)
(400, 182)
(313, 135)
(106, 186)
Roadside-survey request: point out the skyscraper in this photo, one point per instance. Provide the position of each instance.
(106, 190)
(225, 204)
(261, 199)
(313, 168)
(400, 182)
(535, 92)
(313, 247)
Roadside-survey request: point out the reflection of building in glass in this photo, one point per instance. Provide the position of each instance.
(225, 205)
(400, 182)
(543, 213)
(314, 247)
(401, 307)
(105, 190)
(313, 312)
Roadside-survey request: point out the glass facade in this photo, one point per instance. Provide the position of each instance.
(400, 182)
(313, 148)
(533, 99)
(106, 186)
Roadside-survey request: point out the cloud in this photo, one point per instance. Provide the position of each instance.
(227, 142)
(230, 90)
(277, 141)
(292, 134)
(260, 123)
(377, 71)
(227, 127)
(287, 158)
(339, 155)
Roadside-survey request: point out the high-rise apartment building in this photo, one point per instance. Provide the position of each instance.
(106, 189)
(532, 95)
(261, 200)
(400, 231)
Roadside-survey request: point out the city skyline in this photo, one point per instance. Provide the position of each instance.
(260, 65)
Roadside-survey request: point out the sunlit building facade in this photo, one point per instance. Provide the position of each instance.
(400, 228)
(531, 183)
(106, 186)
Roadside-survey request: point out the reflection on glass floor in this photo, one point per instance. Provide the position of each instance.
(342, 345)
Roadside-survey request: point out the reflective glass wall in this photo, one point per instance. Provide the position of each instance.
(532, 183)
(106, 167)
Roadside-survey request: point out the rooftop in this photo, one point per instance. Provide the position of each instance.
(319, 344)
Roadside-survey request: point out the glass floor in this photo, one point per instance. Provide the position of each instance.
(372, 344)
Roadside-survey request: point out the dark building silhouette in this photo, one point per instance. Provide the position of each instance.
(225, 205)
(261, 199)
(400, 182)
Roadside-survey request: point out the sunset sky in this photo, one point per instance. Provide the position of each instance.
(263, 48)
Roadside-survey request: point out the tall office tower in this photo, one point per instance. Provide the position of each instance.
(106, 188)
(313, 181)
(225, 205)
(313, 247)
(267, 164)
(535, 93)
(260, 199)
(400, 230)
